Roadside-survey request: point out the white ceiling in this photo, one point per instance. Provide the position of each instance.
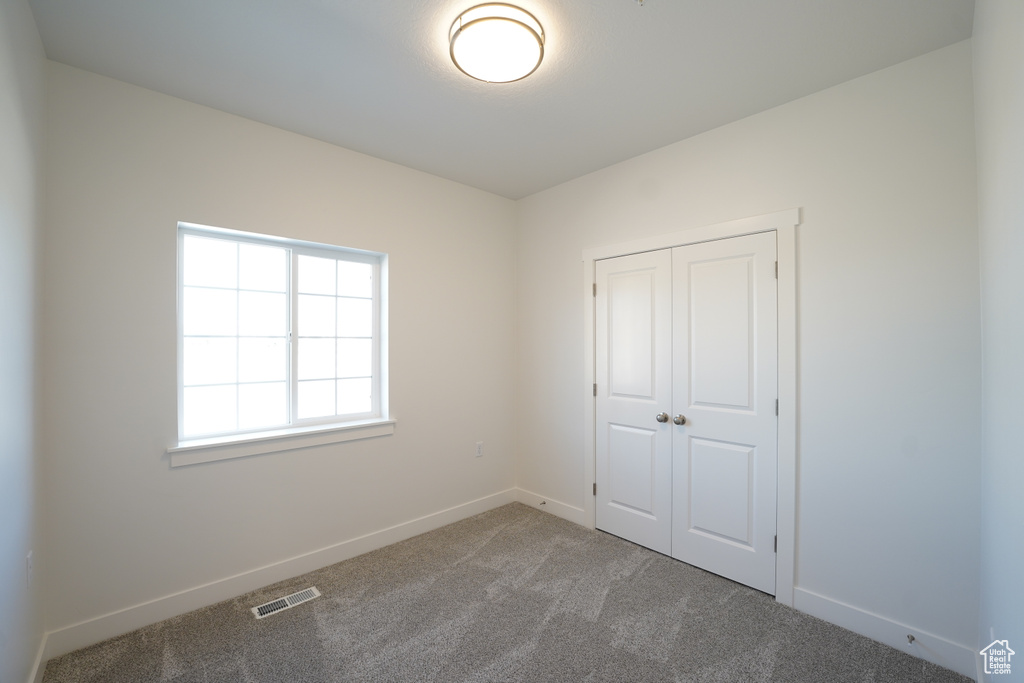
(618, 78)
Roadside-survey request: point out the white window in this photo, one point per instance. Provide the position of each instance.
(275, 334)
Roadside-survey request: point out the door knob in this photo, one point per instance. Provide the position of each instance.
(661, 417)
(679, 419)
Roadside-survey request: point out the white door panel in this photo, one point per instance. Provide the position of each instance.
(632, 468)
(721, 492)
(634, 451)
(725, 382)
(631, 333)
(720, 333)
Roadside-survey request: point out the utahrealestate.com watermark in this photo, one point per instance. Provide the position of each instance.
(997, 657)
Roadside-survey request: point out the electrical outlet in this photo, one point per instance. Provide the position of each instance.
(479, 449)
(29, 569)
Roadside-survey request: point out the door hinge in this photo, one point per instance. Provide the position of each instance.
(595, 289)
(776, 270)
(776, 544)
(595, 388)
(595, 488)
(776, 407)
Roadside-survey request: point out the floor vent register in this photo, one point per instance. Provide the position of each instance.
(287, 602)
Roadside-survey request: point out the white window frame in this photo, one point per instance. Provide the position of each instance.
(298, 433)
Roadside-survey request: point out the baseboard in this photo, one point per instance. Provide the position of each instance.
(926, 645)
(36, 674)
(556, 508)
(82, 634)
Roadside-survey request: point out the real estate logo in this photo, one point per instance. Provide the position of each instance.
(997, 657)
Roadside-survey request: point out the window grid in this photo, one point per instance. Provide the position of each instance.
(369, 406)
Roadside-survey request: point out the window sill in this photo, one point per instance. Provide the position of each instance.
(277, 441)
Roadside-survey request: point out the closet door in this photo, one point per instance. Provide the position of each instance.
(725, 386)
(634, 397)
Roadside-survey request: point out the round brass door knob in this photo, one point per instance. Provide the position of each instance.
(661, 417)
(679, 419)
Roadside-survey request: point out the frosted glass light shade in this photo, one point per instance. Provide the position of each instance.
(497, 43)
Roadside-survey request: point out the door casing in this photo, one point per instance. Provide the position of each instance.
(784, 224)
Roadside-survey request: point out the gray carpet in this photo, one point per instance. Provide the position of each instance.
(510, 595)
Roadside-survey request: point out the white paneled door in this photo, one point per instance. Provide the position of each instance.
(725, 383)
(634, 449)
(712, 378)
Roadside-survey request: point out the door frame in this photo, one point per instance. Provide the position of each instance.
(784, 224)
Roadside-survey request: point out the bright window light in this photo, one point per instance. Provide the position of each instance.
(275, 333)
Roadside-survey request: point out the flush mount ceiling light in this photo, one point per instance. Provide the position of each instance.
(496, 43)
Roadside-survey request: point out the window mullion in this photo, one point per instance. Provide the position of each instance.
(238, 333)
(181, 335)
(293, 346)
(375, 381)
(337, 382)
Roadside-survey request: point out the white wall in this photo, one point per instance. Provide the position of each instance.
(21, 108)
(999, 102)
(124, 166)
(888, 339)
